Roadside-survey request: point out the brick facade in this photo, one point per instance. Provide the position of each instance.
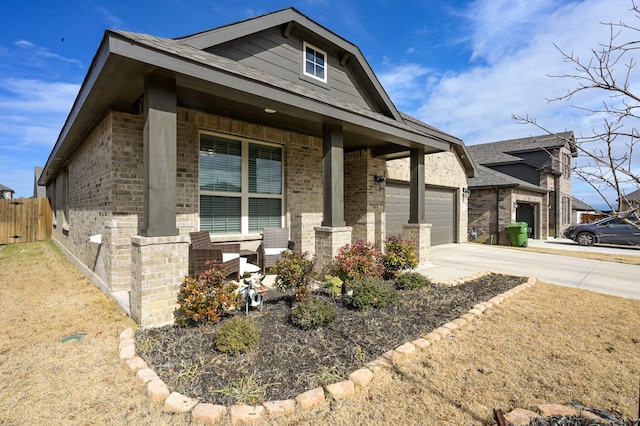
(106, 190)
(491, 229)
(363, 199)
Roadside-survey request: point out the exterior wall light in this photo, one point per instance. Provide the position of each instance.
(380, 180)
(466, 192)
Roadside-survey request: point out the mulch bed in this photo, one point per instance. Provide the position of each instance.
(574, 421)
(289, 360)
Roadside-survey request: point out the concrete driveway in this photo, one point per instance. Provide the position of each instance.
(454, 261)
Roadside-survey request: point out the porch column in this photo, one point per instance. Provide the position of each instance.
(333, 175)
(416, 186)
(333, 233)
(160, 136)
(417, 230)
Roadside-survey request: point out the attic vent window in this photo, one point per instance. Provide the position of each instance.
(315, 63)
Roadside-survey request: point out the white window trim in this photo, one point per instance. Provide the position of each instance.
(304, 62)
(244, 194)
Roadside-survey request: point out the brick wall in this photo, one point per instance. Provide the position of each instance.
(90, 195)
(482, 213)
(363, 199)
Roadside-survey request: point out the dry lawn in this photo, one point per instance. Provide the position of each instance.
(549, 344)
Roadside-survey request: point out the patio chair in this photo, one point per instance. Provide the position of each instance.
(274, 242)
(203, 250)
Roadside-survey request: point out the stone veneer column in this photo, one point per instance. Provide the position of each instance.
(328, 240)
(158, 265)
(116, 242)
(420, 234)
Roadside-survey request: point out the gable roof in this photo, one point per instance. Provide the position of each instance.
(487, 178)
(635, 195)
(6, 188)
(458, 146)
(207, 80)
(579, 205)
(290, 20)
(505, 152)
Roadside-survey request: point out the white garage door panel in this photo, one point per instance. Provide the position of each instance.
(440, 211)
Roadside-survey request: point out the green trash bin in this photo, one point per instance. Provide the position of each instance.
(518, 234)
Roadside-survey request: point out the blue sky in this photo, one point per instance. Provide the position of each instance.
(462, 66)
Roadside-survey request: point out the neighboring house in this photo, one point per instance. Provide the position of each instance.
(544, 162)
(631, 201)
(583, 212)
(272, 121)
(39, 191)
(6, 193)
(497, 199)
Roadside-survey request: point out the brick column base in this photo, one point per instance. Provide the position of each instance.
(328, 241)
(420, 234)
(158, 265)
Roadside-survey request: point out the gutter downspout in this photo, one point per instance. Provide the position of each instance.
(497, 215)
(556, 185)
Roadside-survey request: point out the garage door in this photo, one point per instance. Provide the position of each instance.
(440, 211)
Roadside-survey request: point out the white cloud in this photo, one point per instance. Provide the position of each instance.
(33, 111)
(111, 19)
(509, 72)
(405, 84)
(44, 53)
(501, 27)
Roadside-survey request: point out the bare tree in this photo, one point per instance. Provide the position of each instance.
(608, 152)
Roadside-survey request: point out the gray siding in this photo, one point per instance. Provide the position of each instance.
(271, 52)
(540, 158)
(520, 171)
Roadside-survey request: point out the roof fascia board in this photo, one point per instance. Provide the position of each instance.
(462, 153)
(134, 51)
(240, 29)
(95, 69)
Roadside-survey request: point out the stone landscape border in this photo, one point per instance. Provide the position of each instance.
(208, 413)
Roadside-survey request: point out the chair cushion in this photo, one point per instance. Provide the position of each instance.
(272, 251)
(229, 256)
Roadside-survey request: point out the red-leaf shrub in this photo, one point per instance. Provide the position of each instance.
(399, 255)
(360, 260)
(206, 298)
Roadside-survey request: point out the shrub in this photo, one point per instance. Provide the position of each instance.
(237, 335)
(372, 292)
(411, 281)
(294, 273)
(313, 313)
(207, 298)
(399, 255)
(332, 285)
(358, 261)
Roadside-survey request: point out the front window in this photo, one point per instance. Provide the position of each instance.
(566, 165)
(240, 185)
(315, 63)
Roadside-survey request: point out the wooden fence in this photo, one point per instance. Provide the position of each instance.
(25, 219)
